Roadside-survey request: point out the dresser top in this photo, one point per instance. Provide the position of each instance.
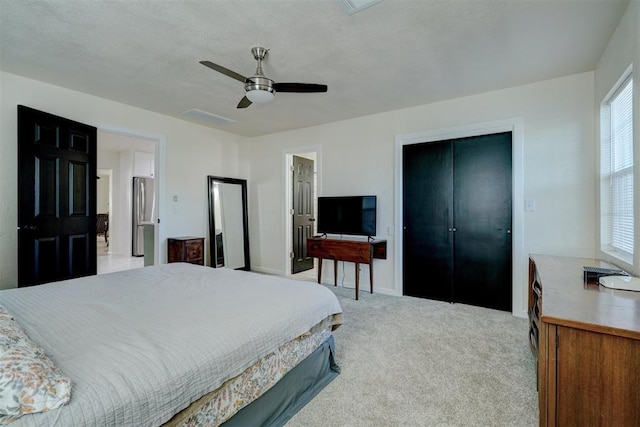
(568, 301)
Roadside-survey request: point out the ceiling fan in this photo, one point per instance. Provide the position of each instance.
(259, 88)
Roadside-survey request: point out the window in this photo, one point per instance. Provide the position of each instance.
(616, 169)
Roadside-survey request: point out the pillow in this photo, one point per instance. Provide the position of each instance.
(29, 381)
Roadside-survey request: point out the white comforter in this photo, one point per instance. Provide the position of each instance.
(141, 345)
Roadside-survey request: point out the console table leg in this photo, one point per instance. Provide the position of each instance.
(357, 280)
(319, 270)
(335, 272)
(371, 275)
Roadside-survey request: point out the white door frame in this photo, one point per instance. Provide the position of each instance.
(159, 141)
(519, 264)
(287, 222)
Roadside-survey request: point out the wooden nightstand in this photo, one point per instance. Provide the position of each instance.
(186, 249)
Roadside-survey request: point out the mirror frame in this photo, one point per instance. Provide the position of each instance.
(211, 180)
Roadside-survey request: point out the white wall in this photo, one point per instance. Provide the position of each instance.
(190, 153)
(622, 51)
(102, 193)
(358, 158)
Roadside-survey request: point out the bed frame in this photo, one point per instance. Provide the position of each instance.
(282, 401)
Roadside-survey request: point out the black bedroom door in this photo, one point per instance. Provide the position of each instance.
(56, 198)
(457, 199)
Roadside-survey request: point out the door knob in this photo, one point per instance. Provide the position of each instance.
(508, 231)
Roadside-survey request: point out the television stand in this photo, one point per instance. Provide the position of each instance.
(357, 251)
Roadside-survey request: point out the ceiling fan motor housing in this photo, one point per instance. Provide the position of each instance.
(259, 83)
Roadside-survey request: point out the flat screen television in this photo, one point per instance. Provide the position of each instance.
(354, 215)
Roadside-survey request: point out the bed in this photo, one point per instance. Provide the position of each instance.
(179, 344)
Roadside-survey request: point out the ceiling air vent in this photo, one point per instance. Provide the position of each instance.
(352, 6)
(203, 116)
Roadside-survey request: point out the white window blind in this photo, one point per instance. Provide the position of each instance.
(616, 197)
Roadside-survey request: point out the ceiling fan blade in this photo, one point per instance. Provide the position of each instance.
(299, 87)
(244, 103)
(225, 71)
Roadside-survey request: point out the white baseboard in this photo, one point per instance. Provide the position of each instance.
(364, 287)
(266, 270)
(522, 314)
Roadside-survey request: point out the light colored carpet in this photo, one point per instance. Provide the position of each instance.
(415, 362)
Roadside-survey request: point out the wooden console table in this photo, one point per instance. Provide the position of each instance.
(360, 252)
(587, 342)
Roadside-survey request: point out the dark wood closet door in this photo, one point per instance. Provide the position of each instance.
(482, 219)
(457, 220)
(427, 211)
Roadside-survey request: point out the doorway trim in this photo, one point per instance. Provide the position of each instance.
(108, 173)
(513, 125)
(160, 142)
(287, 223)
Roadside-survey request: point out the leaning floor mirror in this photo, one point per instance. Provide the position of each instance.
(228, 231)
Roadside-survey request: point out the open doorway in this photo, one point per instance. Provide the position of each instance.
(121, 159)
(302, 186)
(103, 210)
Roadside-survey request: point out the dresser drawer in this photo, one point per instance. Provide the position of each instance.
(194, 250)
(186, 249)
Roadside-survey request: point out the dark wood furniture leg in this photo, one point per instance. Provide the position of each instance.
(371, 275)
(335, 272)
(357, 280)
(319, 270)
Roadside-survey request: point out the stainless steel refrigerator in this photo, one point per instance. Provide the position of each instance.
(143, 205)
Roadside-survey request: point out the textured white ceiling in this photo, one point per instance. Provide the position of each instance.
(395, 54)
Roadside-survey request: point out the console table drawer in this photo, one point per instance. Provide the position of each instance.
(350, 251)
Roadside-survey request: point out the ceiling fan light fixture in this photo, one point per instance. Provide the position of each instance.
(259, 96)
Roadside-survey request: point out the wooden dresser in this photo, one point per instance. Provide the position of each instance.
(186, 249)
(357, 251)
(587, 342)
